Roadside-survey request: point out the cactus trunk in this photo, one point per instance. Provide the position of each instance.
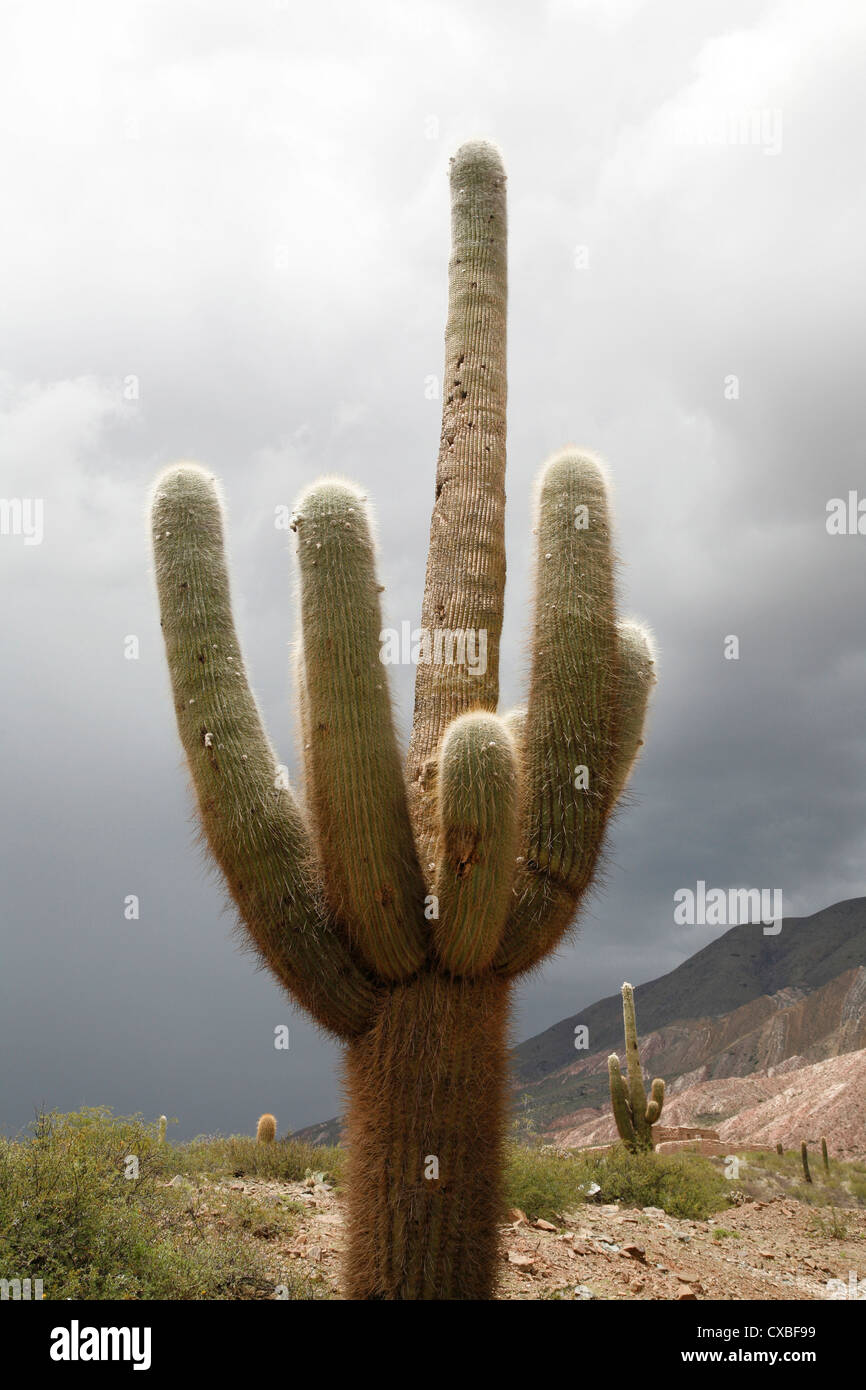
(427, 1109)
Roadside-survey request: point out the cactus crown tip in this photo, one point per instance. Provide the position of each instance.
(332, 487)
(478, 154)
(184, 478)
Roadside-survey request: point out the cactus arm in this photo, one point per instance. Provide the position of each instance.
(356, 792)
(465, 581)
(253, 828)
(515, 722)
(302, 716)
(478, 789)
(569, 720)
(655, 1105)
(636, 666)
(620, 1102)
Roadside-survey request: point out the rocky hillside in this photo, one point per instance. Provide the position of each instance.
(729, 973)
(772, 1034)
(784, 1106)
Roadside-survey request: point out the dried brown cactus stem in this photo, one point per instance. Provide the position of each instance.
(465, 580)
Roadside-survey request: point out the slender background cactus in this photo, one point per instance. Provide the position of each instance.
(634, 1114)
(398, 909)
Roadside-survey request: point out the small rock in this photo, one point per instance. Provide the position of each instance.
(686, 1295)
(542, 1225)
(526, 1262)
(653, 1212)
(583, 1293)
(516, 1216)
(634, 1252)
(766, 1254)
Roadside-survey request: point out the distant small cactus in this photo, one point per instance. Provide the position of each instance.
(825, 1157)
(162, 1124)
(804, 1155)
(634, 1115)
(266, 1129)
(779, 1149)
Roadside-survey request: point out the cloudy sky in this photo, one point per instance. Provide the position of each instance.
(225, 232)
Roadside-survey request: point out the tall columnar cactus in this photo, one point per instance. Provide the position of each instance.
(804, 1159)
(266, 1129)
(825, 1157)
(634, 1115)
(163, 1123)
(398, 908)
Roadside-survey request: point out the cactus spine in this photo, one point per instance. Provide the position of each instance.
(400, 906)
(825, 1157)
(804, 1159)
(266, 1129)
(634, 1114)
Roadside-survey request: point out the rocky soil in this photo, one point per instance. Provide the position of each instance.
(774, 1249)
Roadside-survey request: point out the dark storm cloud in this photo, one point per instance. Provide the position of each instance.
(226, 239)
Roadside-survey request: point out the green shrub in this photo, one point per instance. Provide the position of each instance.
(287, 1160)
(85, 1206)
(545, 1183)
(541, 1183)
(685, 1185)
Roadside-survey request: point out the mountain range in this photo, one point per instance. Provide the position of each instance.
(771, 1008)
